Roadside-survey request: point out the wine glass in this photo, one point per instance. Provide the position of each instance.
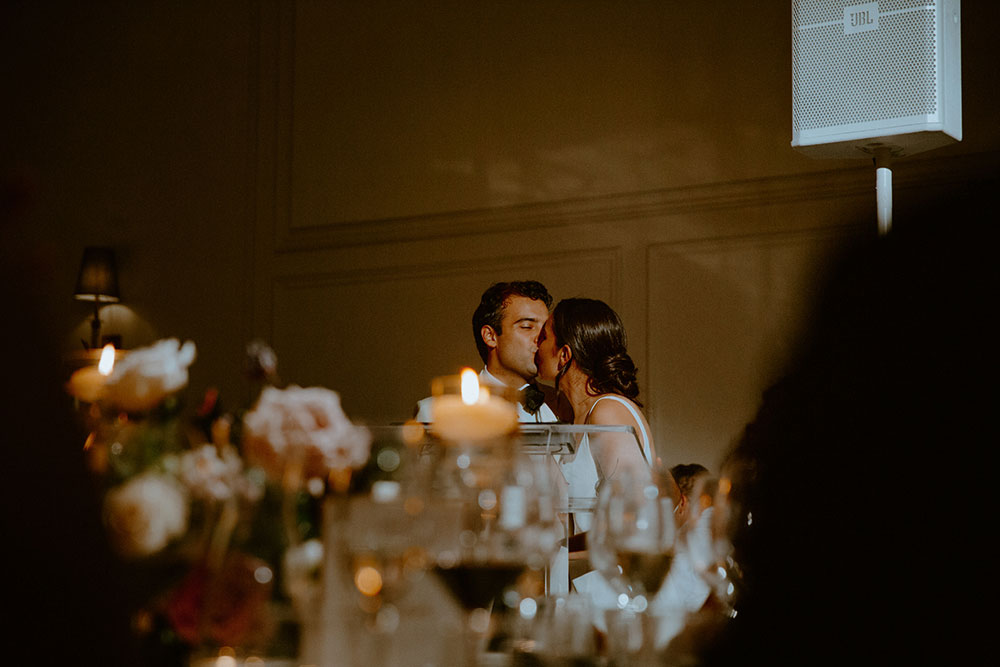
(495, 524)
(380, 539)
(707, 537)
(632, 544)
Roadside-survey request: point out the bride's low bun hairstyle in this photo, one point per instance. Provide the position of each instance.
(595, 334)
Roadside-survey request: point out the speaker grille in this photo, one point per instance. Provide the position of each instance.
(882, 74)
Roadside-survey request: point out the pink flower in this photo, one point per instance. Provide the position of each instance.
(211, 474)
(307, 422)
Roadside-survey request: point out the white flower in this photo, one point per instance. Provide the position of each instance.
(144, 514)
(209, 475)
(148, 375)
(304, 421)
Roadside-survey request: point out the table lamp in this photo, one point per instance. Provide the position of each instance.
(97, 282)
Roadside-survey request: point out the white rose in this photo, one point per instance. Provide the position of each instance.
(148, 375)
(144, 514)
(306, 421)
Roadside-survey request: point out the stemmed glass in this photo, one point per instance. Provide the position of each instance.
(381, 539)
(707, 536)
(493, 524)
(493, 513)
(632, 544)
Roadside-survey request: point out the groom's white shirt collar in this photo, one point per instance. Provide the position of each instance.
(544, 414)
(488, 378)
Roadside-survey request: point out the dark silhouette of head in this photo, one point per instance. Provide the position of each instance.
(851, 544)
(685, 474)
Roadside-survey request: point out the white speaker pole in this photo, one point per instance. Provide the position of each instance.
(883, 189)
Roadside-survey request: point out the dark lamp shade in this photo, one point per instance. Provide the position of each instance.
(98, 279)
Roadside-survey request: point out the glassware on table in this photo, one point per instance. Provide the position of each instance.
(493, 517)
(632, 543)
(708, 535)
(558, 631)
(490, 536)
(376, 534)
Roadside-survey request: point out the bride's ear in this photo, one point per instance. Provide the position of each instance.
(564, 356)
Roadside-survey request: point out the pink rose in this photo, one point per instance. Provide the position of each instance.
(308, 422)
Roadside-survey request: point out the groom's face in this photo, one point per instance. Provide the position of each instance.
(517, 342)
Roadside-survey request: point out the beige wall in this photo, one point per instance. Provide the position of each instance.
(344, 179)
(131, 125)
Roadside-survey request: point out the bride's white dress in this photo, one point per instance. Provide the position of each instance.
(582, 478)
(684, 590)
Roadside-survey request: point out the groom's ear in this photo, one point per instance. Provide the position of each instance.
(489, 336)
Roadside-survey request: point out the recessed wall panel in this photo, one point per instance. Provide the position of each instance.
(723, 316)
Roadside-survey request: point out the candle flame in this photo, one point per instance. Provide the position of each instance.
(470, 386)
(107, 362)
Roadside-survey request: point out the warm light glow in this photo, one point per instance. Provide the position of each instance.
(470, 386)
(413, 505)
(107, 362)
(413, 432)
(368, 580)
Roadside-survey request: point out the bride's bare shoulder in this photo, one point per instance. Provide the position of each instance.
(610, 412)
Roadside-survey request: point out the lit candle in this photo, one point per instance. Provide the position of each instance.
(475, 415)
(87, 384)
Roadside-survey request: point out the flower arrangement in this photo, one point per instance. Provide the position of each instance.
(304, 422)
(212, 516)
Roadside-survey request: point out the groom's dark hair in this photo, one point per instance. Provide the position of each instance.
(494, 301)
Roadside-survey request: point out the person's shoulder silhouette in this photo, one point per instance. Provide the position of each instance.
(855, 547)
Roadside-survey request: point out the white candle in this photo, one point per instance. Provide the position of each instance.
(87, 384)
(475, 415)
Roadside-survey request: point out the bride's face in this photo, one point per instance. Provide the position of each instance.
(547, 357)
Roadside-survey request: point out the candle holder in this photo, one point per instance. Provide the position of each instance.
(466, 411)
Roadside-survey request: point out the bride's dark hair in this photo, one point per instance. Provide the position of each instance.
(596, 336)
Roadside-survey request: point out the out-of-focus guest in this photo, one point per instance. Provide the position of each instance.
(852, 547)
(687, 476)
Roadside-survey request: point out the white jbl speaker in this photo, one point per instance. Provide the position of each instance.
(877, 75)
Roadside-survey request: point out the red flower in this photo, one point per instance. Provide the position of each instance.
(228, 606)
